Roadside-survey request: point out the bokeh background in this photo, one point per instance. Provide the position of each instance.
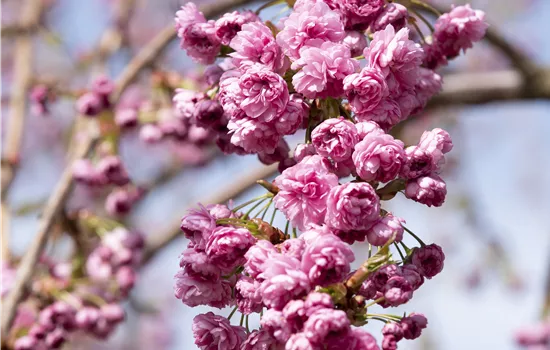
(494, 226)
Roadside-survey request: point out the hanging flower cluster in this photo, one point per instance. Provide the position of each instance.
(71, 297)
(346, 72)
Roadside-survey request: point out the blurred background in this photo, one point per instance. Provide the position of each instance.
(494, 226)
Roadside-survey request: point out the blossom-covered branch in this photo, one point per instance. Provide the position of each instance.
(307, 73)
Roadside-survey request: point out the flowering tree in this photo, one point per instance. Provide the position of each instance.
(345, 76)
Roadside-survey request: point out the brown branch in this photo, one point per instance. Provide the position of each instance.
(157, 242)
(28, 262)
(19, 29)
(22, 60)
(154, 48)
(480, 88)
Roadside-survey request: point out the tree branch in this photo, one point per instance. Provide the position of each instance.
(155, 47)
(22, 61)
(51, 211)
(158, 242)
(479, 88)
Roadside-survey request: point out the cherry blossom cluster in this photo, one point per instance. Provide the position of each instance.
(70, 297)
(346, 72)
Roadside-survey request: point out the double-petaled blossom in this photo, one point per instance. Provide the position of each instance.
(378, 157)
(200, 42)
(394, 14)
(255, 44)
(228, 25)
(429, 190)
(283, 280)
(262, 94)
(303, 191)
(185, 102)
(261, 340)
(310, 26)
(384, 229)
(418, 162)
(398, 57)
(413, 324)
(276, 324)
(322, 70)
(327, 260)
(429, 260)
(323, 322)
(335, 138)
(248, 295)
(197, 289)
(253, 136)
(188, 15)
(226, 246)
(356, 41)
(458, 29)
(257, 256)
(357, 14)
(352, 206)
(365, 90)
(293, 117)
(214, 332)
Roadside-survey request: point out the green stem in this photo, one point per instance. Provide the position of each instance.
(415, 25)
(385, 316)
(426, 6)
(286, 227)
(378, 319)
(273, 216)
(232, 313)
(249, 202)
(375, 302)
(246, 322)
(294, 233)
(245, 216)
(414, 236)
(265, 209)
(423, 19)
(242, 320)
(399, 250)
(370, 250)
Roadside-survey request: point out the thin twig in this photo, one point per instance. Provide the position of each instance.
(159, 241)
(155, 47)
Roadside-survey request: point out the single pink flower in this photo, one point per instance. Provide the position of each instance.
(352, 206)
(335, 138)
(323, 69)
(312, 25)
(303, 191)
(213, 332)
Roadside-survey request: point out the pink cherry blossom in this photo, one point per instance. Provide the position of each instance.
(303, 191)
(378, 157)
(312, 25)
(352, 206)
(327, 260)
(323, 69)
(335, 138)
(255, 44)
(213, 332)
(429, 190)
